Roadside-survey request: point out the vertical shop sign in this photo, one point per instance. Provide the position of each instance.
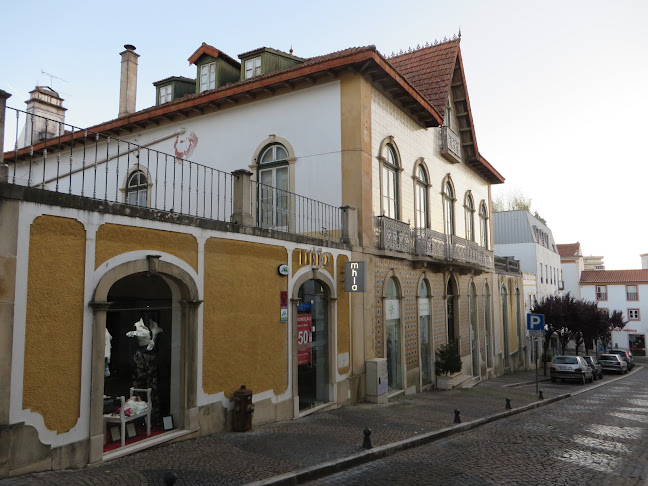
(304, 338)
(354, 277)
(283, 302)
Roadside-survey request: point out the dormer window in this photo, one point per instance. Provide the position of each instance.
(252, 67)
(165, 94)
(207, 76)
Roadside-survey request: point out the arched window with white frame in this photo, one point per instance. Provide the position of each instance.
(274, 184)
(470, 217)
(422, 217)
(389, 187)
(136, 190)
(483, 223)
(449, 201)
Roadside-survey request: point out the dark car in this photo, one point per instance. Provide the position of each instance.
(625, 356)
(597, 369)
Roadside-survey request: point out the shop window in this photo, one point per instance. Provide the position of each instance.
(427, 352)
(393, 334)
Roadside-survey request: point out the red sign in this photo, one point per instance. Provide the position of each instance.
(283, 298)
(304, 338)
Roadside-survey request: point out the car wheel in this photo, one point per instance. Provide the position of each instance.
(594, 377)
(583, 380)
(553, 380)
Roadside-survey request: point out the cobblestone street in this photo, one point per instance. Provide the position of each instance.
(597, 437)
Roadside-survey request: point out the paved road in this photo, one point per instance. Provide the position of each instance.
(599, 437)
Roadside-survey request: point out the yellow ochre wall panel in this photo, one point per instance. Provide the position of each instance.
(54, 321)
(244, 340)
(115, 239)
(343, 309)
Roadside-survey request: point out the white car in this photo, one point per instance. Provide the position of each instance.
(614, 363)
(571, 368)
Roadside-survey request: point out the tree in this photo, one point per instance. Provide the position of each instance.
(448, 359)
(514, 200)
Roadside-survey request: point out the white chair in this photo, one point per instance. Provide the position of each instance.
(122, 419)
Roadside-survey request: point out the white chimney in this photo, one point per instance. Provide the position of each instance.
(128, 84)
(644, 261)
(45, 119)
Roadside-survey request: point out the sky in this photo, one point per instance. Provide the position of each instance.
(558, 89)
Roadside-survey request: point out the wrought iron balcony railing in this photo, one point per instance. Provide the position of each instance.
(430, 243)
(390, 234)
(470, 252)
(450, 145)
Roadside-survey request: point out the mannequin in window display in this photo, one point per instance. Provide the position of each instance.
(145, 372)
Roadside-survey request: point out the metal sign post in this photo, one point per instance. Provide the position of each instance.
(535, 326)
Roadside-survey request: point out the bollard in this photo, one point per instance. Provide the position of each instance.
(540, 395)
(457, 419)
(508, 403)
(170, 478)
(366, 443)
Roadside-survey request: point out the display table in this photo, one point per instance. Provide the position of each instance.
(123, 419)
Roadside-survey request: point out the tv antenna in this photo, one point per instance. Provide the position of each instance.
(52, 77)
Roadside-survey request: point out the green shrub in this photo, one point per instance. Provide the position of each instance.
(447, 359)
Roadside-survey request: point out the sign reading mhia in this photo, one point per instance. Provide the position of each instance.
(354, 277)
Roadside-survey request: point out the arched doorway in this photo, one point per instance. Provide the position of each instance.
(313, 346)
(140, 354)
(489, 326)
(427, 354)
(393, 335)
(474, 335)
(450, 312)
(148, 289)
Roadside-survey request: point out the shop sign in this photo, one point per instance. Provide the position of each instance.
(315, 258)
(283, 270)
(354, 277)
(392, 309)
(304, 338)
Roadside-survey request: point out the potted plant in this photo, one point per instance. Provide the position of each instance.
(447, 363)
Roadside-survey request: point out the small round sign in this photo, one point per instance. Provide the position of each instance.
(283, 270)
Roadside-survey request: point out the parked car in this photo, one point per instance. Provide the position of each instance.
(571, 368)
(614, 363)
(597, 369)
(625, 356)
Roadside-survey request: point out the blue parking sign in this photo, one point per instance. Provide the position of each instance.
(535, 322)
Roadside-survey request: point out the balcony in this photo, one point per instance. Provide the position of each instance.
(469, 252)
(430, 243)
(450, 145)
(507, 264)
(430, 247)
(393, 235)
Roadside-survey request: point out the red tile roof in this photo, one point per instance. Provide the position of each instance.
(569, 249)
(430, 70)
(614, 276)
(213, 52)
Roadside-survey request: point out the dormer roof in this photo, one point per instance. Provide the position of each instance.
(206, 49)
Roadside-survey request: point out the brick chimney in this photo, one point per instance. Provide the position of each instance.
(128, 84)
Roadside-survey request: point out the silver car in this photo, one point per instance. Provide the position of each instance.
(614, 363)
(571, 368)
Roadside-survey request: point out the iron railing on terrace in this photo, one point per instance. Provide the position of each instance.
(59, 157)
(507, 264)
(393, 235)
(282, 210)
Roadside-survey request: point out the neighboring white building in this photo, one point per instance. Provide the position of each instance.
(520, 235)
(572, 263)
(624, 290)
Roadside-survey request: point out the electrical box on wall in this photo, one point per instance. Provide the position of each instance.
(377, 380)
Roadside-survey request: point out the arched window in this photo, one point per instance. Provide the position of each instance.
(389, 189)
(470, 218)
(489, 326)
(505, 324)
(474, 333)
(449, 200)
(393, 334)
(427, 355)
(450, 311)
(422, 219)
(274, 185)
(483, 222)
(137, 189)
(518, 323)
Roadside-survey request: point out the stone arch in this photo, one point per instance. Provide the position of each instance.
(188, 299)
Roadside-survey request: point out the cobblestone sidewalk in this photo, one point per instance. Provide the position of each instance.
(278, 448)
